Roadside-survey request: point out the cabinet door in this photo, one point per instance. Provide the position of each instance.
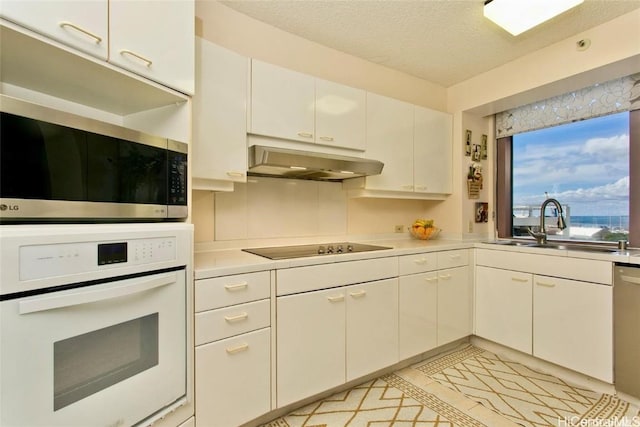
(501, 295)
(340, 115)
(418, 317)
(454, 304)
(372, 327)
(219, 114)
(282, 103)
(573, 325)
(154, 40)
(81, 25)
(432, 151)
(311, 344)
(233, 383)
(390, 140)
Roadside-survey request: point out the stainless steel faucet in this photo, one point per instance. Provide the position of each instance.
(541, 236)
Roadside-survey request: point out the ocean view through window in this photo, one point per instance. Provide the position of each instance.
(585, 166)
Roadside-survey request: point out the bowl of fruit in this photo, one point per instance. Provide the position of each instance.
(423, 229)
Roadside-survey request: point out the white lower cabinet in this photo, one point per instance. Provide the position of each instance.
(573, 325)
(454, 304)
(418, 296)
(311, 343)
(372, 327)
(233, 380)
(334, 335)
(233, 349)
(504, 307)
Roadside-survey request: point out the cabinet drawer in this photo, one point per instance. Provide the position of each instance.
(315, 277)
(234, 379)
(217, 324)
(230, 290)
(450, 259)
(418, 263)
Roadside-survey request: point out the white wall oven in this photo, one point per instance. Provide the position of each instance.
(94, 324)
(60, 167)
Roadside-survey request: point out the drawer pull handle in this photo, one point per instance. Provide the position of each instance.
(236, 287)
(336, 298)
(431, 279)
(96, 37)
(238, 348)
(456, 256)
(236, 318)
(147, 61)
(326, 138)
(408, 187)
(519, 279)
(445, 276)
(546, 284)
(421, 261)
(305, 134)
(358, 294)
(234, 174)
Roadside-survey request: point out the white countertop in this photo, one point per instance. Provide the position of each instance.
(223, 262)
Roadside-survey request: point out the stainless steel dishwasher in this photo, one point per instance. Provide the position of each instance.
(626, 328)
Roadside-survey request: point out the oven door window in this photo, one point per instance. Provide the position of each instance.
(91, 362)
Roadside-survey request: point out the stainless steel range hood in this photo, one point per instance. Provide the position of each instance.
(287, 163)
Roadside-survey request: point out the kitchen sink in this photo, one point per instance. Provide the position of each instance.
(557, 246)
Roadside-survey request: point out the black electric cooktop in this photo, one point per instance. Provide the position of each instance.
(301, 251)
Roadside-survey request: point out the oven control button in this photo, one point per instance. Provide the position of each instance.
(321, 250)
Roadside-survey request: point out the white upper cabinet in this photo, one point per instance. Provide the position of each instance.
(390, 140)
(282, 103)
(340, 115)
(154, 40)
(79, 24)
(295, 106)
(219, 116)
(432, 151)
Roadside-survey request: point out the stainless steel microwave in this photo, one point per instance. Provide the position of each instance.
(56, 166)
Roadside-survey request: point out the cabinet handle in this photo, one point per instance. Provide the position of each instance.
(237, 317)
(421, 187)
(431, 279)
(445, 276)
(408, 187)
(305, 134)
(336, 298)
(326, 138)
(136, 55)
(358, 294)
(234, 174)
(455, 256)
(421, 261)
(236, 287)
(546, 284)
(519, 279)
(65, 24)
(238, 348)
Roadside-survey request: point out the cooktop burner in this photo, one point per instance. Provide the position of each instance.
(300, 251)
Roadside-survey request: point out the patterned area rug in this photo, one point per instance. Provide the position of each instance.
(386, 401)
(468, 387)
(523, 395)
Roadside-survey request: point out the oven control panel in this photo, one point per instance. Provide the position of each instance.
(42, 261)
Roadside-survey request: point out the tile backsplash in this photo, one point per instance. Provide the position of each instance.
(271, 207)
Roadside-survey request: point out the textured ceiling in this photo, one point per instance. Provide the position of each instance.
(442, 41)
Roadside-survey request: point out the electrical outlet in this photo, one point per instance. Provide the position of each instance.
(470, 227)
(398, 228)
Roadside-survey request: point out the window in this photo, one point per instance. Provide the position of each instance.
(589, 166)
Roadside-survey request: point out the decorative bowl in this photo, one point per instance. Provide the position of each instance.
(429, 233)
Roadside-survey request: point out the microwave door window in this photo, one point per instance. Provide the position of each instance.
(103, 179)
(41, 160)
(144, 174)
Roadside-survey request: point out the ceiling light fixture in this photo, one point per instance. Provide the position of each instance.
(518, 16)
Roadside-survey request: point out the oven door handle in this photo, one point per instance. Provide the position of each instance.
(89, 295)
